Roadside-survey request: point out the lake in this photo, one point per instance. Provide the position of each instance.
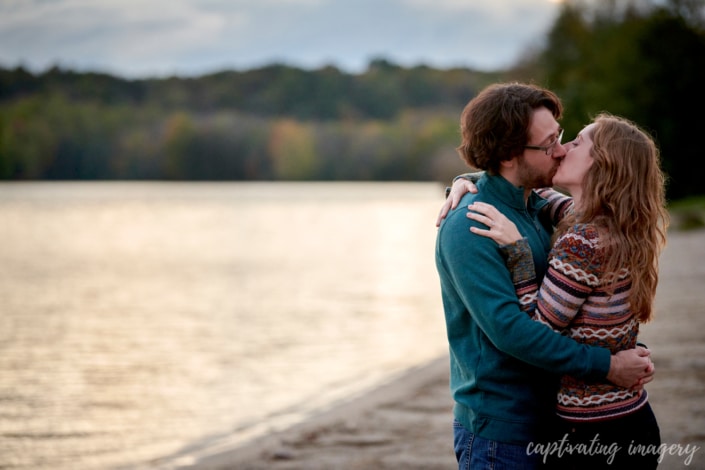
(143, 322)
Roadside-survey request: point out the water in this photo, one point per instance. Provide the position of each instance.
(142, 323)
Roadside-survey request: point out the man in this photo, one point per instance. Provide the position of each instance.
(504, 366)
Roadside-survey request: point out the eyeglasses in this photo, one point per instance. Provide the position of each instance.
(548, 148)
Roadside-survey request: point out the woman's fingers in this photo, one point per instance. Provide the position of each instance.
(483, 213)
(483, 219)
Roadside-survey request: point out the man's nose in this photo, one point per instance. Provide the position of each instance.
(559, 151)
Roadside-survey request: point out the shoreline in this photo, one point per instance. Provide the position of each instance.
(358, 432)
(406, 422)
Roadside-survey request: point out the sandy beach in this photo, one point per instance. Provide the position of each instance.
(406, 423)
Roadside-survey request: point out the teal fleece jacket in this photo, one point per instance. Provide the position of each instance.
(504, 366)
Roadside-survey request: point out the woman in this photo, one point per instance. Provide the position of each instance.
(600, 285)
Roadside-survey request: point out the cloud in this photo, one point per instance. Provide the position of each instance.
(133, 37)
(111, 34)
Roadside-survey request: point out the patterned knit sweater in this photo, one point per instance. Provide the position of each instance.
(574, 300)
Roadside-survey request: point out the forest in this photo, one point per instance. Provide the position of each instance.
(644, 60)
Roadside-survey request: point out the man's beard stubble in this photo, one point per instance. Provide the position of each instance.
(531, 177)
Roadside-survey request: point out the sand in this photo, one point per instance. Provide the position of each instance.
(407, 423)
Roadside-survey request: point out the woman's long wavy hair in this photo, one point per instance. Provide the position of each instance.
(624, 196)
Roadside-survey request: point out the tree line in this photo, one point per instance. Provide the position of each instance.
(643, 60)
(276, 122)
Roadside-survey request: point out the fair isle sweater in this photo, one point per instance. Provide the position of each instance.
(504, 367)
(574, 300)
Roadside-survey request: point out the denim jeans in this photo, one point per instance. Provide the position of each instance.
(476, 453)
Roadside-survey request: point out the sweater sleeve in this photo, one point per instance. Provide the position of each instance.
(521, 265)
(572, 275)
(474, 176)
(558, 204)
(476, 267)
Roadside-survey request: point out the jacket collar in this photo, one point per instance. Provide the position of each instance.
(510, 194)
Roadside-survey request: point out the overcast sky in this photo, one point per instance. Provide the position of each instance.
(143, 38)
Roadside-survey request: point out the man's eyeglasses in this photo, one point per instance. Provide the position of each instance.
(548, 149)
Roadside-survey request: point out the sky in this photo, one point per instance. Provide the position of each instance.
(158, 38)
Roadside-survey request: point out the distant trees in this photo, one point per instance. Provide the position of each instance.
(276, 122)
(640, 59)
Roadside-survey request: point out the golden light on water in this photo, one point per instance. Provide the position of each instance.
(137, 319)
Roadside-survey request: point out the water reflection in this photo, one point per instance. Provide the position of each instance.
(139, 318)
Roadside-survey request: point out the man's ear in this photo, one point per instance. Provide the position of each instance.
(509, 164)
